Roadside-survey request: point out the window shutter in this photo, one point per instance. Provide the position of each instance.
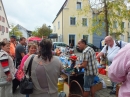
(6, 30)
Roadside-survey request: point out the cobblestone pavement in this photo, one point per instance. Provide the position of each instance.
(104, 92)
(100, 93)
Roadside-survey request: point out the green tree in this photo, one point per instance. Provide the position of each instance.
(108, 15)
(15, 31)
(42, 31)
(35, 32)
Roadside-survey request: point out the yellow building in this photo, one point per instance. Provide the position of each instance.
(123, 36)
(70, 26)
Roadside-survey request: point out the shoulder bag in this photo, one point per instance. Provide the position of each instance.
(26, 85)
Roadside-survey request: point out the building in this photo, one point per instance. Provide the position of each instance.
(26, 33)
(71, 27)
(4, 25)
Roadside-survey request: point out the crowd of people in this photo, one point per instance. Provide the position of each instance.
(46, 68)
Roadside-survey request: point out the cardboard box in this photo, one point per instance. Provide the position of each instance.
(117, 89)
(97, 87)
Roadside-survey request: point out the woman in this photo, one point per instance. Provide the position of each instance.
(32, 50)
(45, 71)
(7, 69)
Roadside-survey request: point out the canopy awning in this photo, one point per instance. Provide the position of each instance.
(54, 35)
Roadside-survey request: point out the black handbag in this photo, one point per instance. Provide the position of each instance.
(26, 85)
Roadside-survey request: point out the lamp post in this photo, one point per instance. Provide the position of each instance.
(49, 30)
(49, 27)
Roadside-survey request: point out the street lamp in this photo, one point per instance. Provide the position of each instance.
(49, 27)
(49, 30)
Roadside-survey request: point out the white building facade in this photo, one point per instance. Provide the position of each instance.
(4, 25)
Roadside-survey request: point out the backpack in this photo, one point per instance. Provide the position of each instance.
(61, 94)
(117, 44)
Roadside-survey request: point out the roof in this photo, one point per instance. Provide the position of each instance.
(60, 10)
(28, 31)
(5, 13)
(23, 28)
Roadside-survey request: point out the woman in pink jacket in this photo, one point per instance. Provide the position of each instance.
(119, 71)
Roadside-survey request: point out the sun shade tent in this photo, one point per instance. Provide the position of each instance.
(33, 38)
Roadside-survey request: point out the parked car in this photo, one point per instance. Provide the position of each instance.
(91, 45)
(58, 45)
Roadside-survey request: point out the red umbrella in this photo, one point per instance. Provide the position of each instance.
(33, 38)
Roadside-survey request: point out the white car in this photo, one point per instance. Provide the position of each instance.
(59, 45)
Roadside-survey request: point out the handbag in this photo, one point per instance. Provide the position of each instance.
(19, 74)
(26, 84)
(104, 60)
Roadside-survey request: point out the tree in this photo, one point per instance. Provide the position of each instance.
(107, 14)
(35, 32)
(15, 31)
(42, 31)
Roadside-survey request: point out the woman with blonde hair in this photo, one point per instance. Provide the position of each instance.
(32, 48)
(7, 69)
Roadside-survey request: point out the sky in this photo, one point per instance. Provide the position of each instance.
(32, 13)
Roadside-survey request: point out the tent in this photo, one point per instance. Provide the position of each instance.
(33, 38)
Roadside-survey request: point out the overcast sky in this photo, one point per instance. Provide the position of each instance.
(32, 13)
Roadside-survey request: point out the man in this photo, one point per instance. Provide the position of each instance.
(12, 46)
(89, 63)
(111, 49)
(19, 53)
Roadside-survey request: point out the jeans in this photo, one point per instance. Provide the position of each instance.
(114, 85)
(88, 82)
(27, 95)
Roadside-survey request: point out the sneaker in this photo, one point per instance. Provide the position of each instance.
(112, 93)
(109, 87)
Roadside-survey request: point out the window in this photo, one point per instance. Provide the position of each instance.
(84, 21)
(128, 24)
(72, 21)
(123, 25)
(58, 25)
(85, 37)
(122, 37)
(78, 5)
(3, 19)
(119, 12)
(3, 30)
(115, 24)
(54, 28)
(128, 36)
(6, 30)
